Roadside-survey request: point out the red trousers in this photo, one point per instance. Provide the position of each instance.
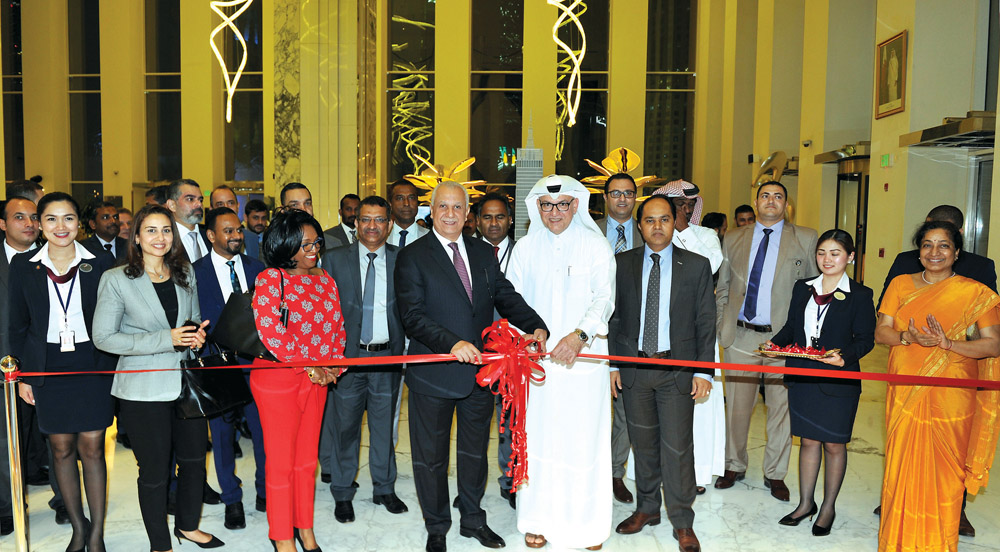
(291, 413)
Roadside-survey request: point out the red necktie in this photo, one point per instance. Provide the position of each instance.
(496, 252)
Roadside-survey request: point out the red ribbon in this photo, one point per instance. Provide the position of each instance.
(511, 372)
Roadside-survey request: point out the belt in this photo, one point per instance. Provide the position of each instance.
(661, 354)
(374, 347)
(754, 327)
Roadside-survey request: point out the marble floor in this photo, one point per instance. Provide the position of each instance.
(743, 518)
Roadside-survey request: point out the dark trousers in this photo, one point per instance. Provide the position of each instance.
(619, 438)
(660, 418)
(155, 432)
(223, 438)
(430, 438)
(504, 446)
(373, 389)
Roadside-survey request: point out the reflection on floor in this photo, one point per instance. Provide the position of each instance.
(743, 518)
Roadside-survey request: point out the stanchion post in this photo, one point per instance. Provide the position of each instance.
(9, 366)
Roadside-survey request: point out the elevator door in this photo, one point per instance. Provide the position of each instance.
(852, 214)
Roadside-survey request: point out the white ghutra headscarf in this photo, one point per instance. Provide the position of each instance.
(556, 185)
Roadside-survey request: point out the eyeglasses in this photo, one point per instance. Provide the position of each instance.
(316, 245)
(376, 220)
(546, 207)
(621, 193)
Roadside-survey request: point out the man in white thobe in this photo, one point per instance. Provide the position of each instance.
(565, 270)
(709, 412)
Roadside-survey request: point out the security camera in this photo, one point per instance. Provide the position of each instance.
(807, 143)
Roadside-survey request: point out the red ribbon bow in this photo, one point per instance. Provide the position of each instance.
(511, 373)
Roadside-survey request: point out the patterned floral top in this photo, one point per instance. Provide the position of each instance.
(315, 329)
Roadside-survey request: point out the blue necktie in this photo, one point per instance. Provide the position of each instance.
(753, 286)
(402, 238)
(234, 278)
(368, 303)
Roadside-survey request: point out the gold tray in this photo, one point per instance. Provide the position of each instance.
(762, 349)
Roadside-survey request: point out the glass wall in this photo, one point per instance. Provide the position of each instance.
(410, 92)
(86, 146)
(669, 88)
(163, 90)
(13, 101)
(244, 136)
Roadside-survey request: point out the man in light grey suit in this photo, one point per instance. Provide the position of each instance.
(623, 234)
(760, 265)
(346, 232)
(363, 272)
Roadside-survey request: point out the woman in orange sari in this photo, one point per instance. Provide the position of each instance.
(939, 440)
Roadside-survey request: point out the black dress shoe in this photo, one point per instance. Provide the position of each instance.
(210, 496)
(391, 503)
(214, 543)
(243, 428)
(38, 479)
(510, 497)
(62, 516)
(454, 503)
(235, 518)
(325, 477)
(343, 510)
(6, 525)
(298, 538)
(484, 535)
(436, 543)
(261, 504)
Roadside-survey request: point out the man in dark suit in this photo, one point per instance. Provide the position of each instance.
(664, 308)
(103, 221)
(346, 232)
(220, 273)
(623, 234)
(363, 272)
(255, 221)
(447, 286)
(970, 265)
(184, 200)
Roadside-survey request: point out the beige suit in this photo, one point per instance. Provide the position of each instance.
(796, 260)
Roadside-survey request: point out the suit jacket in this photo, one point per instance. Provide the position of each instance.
(210, 292)
(636, 235)
(796, 260)
(437, 313)
(970, 265)
(344, 266)
(251, 244)
(849, 326)
(94, 246)
(129, 321)
(335, 237)
(5, 307)
(692, 313)
(29, 310)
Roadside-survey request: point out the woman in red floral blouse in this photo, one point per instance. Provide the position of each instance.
(297, 310)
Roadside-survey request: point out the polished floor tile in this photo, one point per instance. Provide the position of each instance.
(743, 518)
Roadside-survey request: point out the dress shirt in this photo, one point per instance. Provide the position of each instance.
(74, 312)
(503, 255)
(222, 274)
(104, 245)
(413, 232)
(447, 249)
(763, 317)
(810, 325)
(612, 232)
(10, 252)
(380, 322)
(186, 238)
(347, 232)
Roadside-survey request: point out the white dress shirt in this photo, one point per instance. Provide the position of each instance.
(10, 252)
(461, 251)
(222, 274)
(413, 232)
(380, 322)
(104, 244)
(73, 319)
(815, 315)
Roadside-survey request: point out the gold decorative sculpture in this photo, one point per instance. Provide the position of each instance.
(430, 177)
(619, 160)
(227, 21)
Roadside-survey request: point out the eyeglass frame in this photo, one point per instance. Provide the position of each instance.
(629, 194)
(316, 245)
(547, 206)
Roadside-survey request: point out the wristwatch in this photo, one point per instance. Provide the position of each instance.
(902, 340)
(582, 335)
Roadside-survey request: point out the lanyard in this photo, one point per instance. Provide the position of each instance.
(504, 256)
(820, 310)
(69, 296)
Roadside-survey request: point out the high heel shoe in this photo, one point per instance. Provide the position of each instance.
(214, 543)
(86, 535)
(298, 538)
(820, 531)
(791, 521)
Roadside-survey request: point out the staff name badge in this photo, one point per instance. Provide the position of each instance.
(67, 341)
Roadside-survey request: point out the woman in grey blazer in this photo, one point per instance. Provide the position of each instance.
(141, 310)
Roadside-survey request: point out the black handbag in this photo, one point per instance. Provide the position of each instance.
(207, 391)
(236, 329)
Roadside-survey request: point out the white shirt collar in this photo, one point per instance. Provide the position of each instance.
(502, 245)
(445, 241)
(364, 251)
(43, 255)
(843, 285)
(10, 251)
(220, 261)
(103, 243)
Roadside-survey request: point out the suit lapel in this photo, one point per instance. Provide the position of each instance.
(144, 287)
(355, 263)
(4, 271)
(476, 268)
(444, 262)
(390, 267)
(38, 286)
(88, 289)
(787, 240)
(741, 258)
(636, 261)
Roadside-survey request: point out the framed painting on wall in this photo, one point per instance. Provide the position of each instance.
(890, 61)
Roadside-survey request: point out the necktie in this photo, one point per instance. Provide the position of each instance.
(195, 239)
(651, 322)
(368, 302)
(463, 273)
(496, 252)
(753, 286)
(354, 236)
(402, 238)
(234, 278)
(822, 299)
(620, 244)
(107, 247)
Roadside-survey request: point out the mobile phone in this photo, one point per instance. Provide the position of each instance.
(190, 322)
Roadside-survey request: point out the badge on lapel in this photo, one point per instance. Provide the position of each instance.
(839, 295)
(85, 267)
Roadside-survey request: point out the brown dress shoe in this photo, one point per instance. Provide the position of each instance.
(964, 527)
(622, 494)
(686, 540)
(778, 488)
(635, 522)
(728, 479)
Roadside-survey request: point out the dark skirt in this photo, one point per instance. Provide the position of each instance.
(821, 417)
(73, 404)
